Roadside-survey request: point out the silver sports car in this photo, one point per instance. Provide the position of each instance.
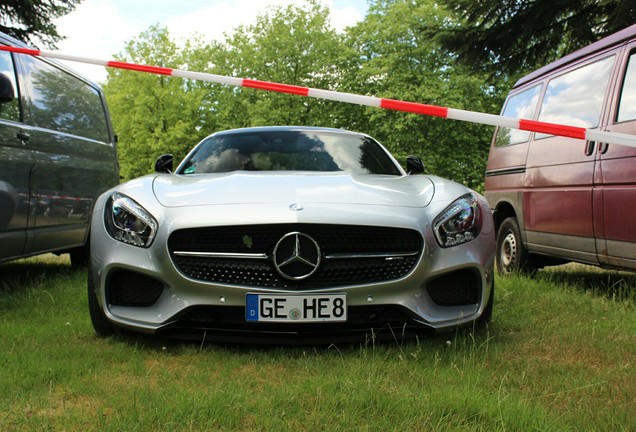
(284, 234)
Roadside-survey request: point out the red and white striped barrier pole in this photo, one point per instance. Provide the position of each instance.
(391, 104)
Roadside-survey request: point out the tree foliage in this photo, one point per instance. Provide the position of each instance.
(291, 45)
(155, 114)
(388, 55)
(517, 35)
(399, 60)
(31, 21)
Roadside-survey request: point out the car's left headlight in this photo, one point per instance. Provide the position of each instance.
(459, 223)
(129, 222)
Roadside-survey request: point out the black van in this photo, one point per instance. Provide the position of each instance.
(57, 155)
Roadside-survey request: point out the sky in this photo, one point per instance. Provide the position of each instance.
(100, 28)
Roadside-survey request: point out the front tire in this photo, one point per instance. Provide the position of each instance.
(484, 320)
(512, 255)
(102, 326)
(79, 256)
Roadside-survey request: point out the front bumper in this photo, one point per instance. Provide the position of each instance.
(144, 291)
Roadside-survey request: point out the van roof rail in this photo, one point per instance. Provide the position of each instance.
(600, 45)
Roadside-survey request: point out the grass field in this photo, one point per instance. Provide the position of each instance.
(560, 354)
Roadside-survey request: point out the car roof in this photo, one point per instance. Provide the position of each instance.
(607, 42)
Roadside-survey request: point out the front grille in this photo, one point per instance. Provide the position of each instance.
(350, 255)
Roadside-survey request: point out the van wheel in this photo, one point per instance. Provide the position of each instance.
(102, 326)
(512, 256)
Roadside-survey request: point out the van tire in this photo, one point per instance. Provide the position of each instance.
(512, 255)
(102, 326)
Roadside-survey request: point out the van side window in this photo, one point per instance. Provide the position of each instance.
(521, 105)
(576, 98)
(627, 106)
(64, 103)
(9, 110)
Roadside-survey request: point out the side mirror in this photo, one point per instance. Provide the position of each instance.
(164, 164)
(414, 165)
(7, 92)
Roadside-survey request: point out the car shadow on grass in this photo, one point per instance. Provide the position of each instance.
(612, 284)
(25, 274)
(460, 338)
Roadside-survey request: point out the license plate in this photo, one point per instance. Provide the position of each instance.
(295, 308)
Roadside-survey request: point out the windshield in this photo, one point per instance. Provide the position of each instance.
(289, 151)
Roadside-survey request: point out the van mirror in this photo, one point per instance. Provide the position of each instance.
(7, 93)
(414, 165)
(164, 164)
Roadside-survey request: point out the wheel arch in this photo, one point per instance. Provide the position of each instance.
(503, 211)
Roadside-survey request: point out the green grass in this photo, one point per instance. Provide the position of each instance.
(560, 354)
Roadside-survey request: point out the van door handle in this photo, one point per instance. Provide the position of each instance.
(589, 148)
(23, 136)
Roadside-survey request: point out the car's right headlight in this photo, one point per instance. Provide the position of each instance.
(128, 222)
(459, 223)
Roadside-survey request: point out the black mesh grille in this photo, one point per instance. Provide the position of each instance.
(455, 289)
(332, 239)
(127, 288)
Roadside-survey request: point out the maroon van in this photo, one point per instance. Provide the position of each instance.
(558, 199)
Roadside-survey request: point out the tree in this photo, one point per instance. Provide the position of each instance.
(516, 35)
(399, 60)
(293, 45)
(31, 21)
(390, 54)
(155, 114)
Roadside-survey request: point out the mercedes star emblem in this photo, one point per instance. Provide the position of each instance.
(296, 256)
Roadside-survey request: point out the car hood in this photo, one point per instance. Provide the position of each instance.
(285, 187)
